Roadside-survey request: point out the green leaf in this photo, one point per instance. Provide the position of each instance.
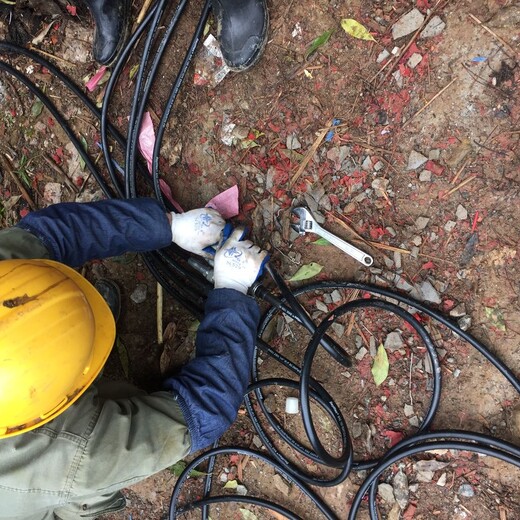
(85, 147)
(321, 242)
(123, 356)
(380, 366)
(496, 317)
(133, 71)
(248, 515)
(306, 271)
(231, 484)
(356, 30)
(318, 42)
(37, 108)
(180, 466)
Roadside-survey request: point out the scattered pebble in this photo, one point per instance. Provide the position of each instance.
(442, 480)
(338, 329)
(458, 311)
(321, 306)
(398, 77)
(433, 28)
(380, 186)
(281, 484)
(429, 292)
(356, 430)
(407, 24)
(241, 490)
(417, 241)
(415, 160)
(414, 421)
(382, 56)
(434, 155)
(462, 212)
(421, 222)
(139, 294)
(292, 142)
(456, 372)
(391, 230)
(449, 226)
(401, 492)
(425, 176)
(367, 163)
(378, 166)
(464, 322)
(414, 60)
(397, 260)
(386, 492)
(336, 296)
(361, 353)
(408, 410)
(394, 341)
(465, 490)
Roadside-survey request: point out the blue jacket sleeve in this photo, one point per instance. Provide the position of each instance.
(75, 233)
(210, 388)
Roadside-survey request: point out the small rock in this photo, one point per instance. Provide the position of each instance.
(458, 311)
(386, 492)
(464, 323)
(414, 421)
(414, 60)
(372, 346)
(382, 56)
(378, 166)
(336, 296)
(401, 283)
(417, 241)
(449, 226)
(356, 430)
(52, 193)
(392, 231)
(292, 142)
(380, 186)
(465, 490)
(407, 24)
(394, 341)
(408, 410)
(397, 260)
(139, 294)
(281, 484)
(415, 160)
(223, 477)
(462, 212)
(421, 222)
(434, 155)
(442, 480)
(361, 353)
(321, 306)
(398, 77)
(367, 163)
(401, 493)
(338, 329)
(240, 132)
(425, 176)
(257, 441)
(241, 490)
(429, 292)
(433, 28)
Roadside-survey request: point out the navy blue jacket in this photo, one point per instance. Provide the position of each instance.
(210, 388)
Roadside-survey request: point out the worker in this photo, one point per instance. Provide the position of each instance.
(69, 441)
(241, 29)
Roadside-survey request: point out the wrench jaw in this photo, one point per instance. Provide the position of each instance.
(305, 222)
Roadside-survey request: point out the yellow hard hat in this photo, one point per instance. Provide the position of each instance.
(56, 333)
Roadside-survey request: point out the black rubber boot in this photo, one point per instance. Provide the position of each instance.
(241, 31)
(112, 18)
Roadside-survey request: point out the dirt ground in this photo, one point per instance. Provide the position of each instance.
(423, 164)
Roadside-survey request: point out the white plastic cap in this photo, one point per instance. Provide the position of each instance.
(291, 405)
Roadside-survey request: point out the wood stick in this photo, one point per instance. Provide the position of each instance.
(49, 55)
(461, 185)
(61, 173)
(431, 101)
(160, 338)
(25, 194)
(142, 12)
(461, 169)
(503, 42)
(310, 154)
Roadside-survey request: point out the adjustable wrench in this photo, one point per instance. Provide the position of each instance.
(308, 224)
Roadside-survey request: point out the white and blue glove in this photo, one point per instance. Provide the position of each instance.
(238, 263)
(197, 229)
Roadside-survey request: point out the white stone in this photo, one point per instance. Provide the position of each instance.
(450, 226)
(415, 160)
(421, 222)
(414, 60)
(407, 24)
(393, 341)
(429, 292)
(462, 212)
(433, 28)
(292, 142)
(425, 176)
(382, 56)
(386, 492)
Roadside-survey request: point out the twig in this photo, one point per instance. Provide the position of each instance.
(379, 245)
(25, 194)
(461, 185)
(61, 173)
(142, 13)
(486, 28)
(49, 55)
(461, 169)
(410, 379)
(431, 101)
(352, 318)
(310, 154)
(160, 338)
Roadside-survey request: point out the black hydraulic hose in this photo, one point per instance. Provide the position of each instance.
(330, 345)
(159, 134)
(490, 447)
(62, 122)
(174, 509)
(143, 94)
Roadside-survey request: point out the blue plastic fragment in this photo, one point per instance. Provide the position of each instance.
(478, 59)
(330, 133)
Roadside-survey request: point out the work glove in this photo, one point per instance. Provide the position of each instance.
(197, 229)
(238, 263)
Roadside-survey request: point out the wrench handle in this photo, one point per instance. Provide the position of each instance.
(351, 250)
